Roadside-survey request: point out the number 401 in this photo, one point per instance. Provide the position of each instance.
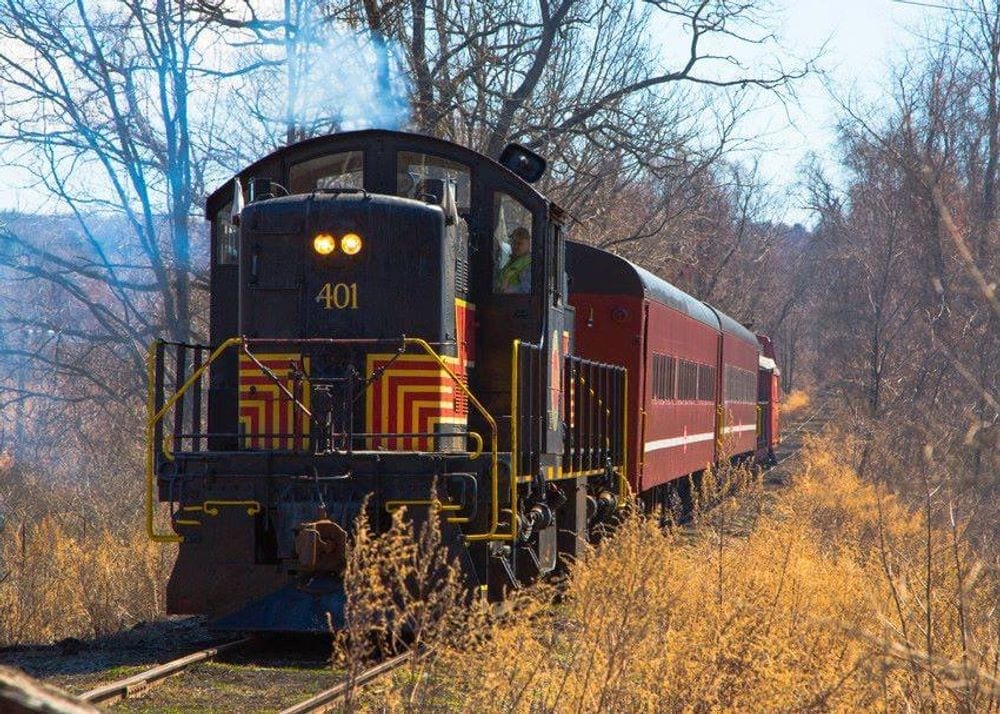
(338, 296)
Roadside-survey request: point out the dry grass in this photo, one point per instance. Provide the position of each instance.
(833, 596)
(838, 598)
(56, 584)
(795, 400)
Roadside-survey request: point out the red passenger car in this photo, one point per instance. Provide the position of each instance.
(768, 396)
(693, 371)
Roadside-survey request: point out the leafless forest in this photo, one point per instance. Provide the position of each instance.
(124, 114)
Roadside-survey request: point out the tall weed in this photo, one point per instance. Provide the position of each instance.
(56, 584)
(837, 597)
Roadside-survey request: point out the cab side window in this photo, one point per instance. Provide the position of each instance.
(512, 231)
(415, 174)
(227, 238)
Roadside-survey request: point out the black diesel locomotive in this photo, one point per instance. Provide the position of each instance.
(367, 342)
(391, 325)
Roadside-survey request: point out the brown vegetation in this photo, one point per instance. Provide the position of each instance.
(840, 598)
(57, 581)
(871, 584)
(797, 399)
(832, 595)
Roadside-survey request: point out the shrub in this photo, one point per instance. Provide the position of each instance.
(56, 584)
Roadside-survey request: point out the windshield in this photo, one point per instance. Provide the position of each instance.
(412, 169)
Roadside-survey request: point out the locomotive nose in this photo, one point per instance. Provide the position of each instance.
(331, 283)
(356, 265)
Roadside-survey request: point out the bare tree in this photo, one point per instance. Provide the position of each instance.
(108, 109)
(911, 266)
(578, 80)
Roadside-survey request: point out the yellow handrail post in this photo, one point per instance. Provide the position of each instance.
(492, 533)
(626, 489)
(515, 465)
(154, 416)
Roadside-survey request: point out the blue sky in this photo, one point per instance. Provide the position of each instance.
(862, 39)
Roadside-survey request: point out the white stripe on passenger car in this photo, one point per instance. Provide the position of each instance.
(678, 441)
(744, 427)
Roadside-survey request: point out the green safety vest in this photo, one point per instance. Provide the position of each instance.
(512, 273)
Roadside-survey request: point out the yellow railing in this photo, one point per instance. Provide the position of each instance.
(155, 416)
(625, 490)
(442, 506)
(515, 467)
(211, 508)
(492, 533)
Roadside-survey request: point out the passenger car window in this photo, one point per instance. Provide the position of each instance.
(343, 170)
(412, 169)
(512, 233)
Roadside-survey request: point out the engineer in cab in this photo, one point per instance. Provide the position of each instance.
(515, 276)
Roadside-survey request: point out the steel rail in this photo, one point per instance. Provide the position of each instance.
(806, 425)
(138, 684)
(327, 699)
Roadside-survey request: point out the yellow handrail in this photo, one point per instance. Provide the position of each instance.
(391, 506)
(492, 533)
(478, 450)
(211, 508)
(515, 379)
(155, 416)
(626, 489)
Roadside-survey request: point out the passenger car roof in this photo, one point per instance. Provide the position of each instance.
(597, 271)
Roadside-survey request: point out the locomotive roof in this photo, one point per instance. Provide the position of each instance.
(598, 271)
(283, 158)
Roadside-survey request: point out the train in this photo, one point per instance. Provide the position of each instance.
(399, 322)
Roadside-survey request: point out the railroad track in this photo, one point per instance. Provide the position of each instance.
(328, 699)
(139, 684)
(797, 426)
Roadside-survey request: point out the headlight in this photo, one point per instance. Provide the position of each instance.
(324, 244)
(351, 244)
